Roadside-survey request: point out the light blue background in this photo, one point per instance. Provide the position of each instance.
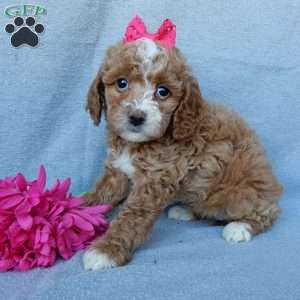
(245, 54)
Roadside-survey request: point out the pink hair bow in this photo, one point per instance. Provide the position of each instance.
(136, 29)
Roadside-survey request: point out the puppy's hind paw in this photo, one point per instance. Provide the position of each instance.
(180, 213)
(236, 232)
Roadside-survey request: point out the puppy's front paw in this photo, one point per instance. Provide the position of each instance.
(236, 232)
(94, 260)
(180, 213)
(89, 198)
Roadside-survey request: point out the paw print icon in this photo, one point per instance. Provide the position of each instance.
(24, 32)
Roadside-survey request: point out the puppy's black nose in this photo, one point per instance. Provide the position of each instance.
(136, 120)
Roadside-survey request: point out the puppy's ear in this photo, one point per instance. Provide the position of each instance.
(188, 111)
(96, 99)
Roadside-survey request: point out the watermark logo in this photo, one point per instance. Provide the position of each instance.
(24, 28)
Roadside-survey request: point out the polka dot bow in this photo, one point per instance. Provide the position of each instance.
(165, 35)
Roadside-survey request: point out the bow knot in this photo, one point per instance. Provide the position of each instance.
(165, 35)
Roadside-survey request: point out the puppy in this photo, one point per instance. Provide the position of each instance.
(167, 143)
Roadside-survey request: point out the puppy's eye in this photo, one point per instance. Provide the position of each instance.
(122, 84)
(162, 92)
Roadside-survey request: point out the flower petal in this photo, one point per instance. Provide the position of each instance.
(21, 182)
(64, 186)
(81, 222)
(25, 221)
(7, 264)
(11, 201)
(41, 182)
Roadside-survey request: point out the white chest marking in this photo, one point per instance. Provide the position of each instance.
(123, 162)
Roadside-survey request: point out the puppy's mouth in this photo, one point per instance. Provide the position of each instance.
(133, 133)
(135, 129)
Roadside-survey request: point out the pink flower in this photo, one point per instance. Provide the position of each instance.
(38, 225)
